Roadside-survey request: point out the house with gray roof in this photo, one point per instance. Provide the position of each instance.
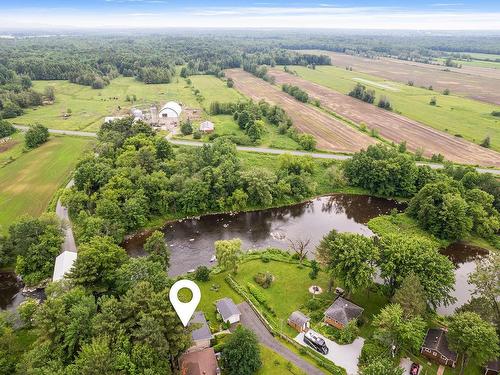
(228, 310)
(201, 336)
(435, 347)
(341, 312)
(299, 321)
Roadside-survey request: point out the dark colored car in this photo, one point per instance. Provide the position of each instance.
(414, 369)
(312, 339)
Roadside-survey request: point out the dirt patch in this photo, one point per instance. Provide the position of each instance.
(330, 133)
(471, 81)
(7, 145)
(394, 127)
(194, 114)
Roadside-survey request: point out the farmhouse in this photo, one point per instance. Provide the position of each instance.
(492, 367)
(207, 127)
(341, 312)
(435, 347)
(201, 336)
(299, 321)
(228, 310)
(202, 362)
(64, 263)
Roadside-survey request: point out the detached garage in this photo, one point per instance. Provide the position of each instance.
(228, 311)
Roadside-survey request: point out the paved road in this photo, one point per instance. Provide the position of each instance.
(275, 151)
(69, 243)
(250, 320)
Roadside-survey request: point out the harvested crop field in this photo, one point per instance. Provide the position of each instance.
(331, 134)
(473, 82)
(394, 127)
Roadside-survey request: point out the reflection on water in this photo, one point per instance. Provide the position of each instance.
(10, 291)
(463, 256)
(192, 240)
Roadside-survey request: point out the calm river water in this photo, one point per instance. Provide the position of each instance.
(192, 240)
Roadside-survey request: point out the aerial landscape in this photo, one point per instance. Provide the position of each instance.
(196, 188)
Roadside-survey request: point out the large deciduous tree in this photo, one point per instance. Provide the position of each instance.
(228, 253)
(411, 296)
(157, 248)
(241, 354)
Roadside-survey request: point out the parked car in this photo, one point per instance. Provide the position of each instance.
(414, 369)
(312, 339)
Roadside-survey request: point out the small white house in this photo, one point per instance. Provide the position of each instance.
(228, 310)
(207, 127)
(170, 110)
(64, 263)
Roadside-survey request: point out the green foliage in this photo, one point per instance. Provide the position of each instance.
(402, 255)
(27, 310)
(202, 273)
(392, 328)
(314, 269)
(473, 338)
(241, 354)
(382, 367)
(296, 92)
(157, 248)
(36, 135)
(6, 128)
(360, 92)
(342, 336)
(384, 103)
(264, 279)
(373, 351)
(228, 253)
(186, 127)
(411, 296)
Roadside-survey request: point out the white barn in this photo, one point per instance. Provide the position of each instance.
(170, 110)
(64, 263)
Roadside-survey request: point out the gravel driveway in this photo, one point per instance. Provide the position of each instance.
(251, 321)
(345, 356)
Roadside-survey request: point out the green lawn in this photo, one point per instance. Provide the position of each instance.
(479, 63)
(15, 148)
(454, 114)
(89, 106)
(214, 89)
(28, 183)
(274, 364)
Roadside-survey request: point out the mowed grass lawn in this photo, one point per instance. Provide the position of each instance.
(453, 114)
(28, 183)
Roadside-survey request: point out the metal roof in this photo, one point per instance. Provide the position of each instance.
(202, 333)
(227, 308)
(64, 263)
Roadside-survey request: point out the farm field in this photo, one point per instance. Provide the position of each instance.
(89, 106)
(390, 125)
(331, 134)
(473, 82)
(28, 183)
(473, 62)
(453, 114)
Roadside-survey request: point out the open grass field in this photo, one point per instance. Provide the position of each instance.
(274, 364)
(453, 114)
(389, 124)
(473, 82)
(331, 134)
(12, 149)
(28, 183)
(473, 62)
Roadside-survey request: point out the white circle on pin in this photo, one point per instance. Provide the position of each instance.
(184, 310)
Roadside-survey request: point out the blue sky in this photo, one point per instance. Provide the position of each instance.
(369, 14)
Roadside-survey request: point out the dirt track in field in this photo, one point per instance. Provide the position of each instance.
(473, 82)
(330, 133)
(394, 127)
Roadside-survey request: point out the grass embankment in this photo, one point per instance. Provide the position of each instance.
(274, 364)
(28, 183)
(405, 225)
(454, 114)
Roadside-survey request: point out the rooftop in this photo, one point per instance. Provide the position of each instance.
(202, 362)
(202, 333)
(343, 311)
(227, 308)
(436, 340)
(298, 318)
(64, 263)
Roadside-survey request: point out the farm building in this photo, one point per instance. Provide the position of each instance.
(341, 312)
(64, 263)
(207, 127)
(435, 347)
(492, 367)
(299, 321)
(201, 336)
(170, 110)
(202, 362)
(137, 114)
(228, 310)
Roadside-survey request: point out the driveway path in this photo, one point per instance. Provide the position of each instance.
(250, 320)
(69, 243)
(265, 150)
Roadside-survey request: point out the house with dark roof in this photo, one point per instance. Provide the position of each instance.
(201, 336)
(341, 312)
(492, 367)
(228, 310)
(299, 321)
(435, 347)
(201, 362)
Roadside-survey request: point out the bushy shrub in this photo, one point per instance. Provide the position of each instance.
(264, 279)
(202, 273)
(186, 127)
(36, 135)
(197, 134)
(6, 129)
(372, 351)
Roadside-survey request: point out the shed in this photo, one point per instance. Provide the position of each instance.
(341, 312)
(299, 321)
(207, 127)
(202, 362)
(137, 114)
(64, 263)
(228, 310)
(170, 110)
(201, 336)
(435, 347)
